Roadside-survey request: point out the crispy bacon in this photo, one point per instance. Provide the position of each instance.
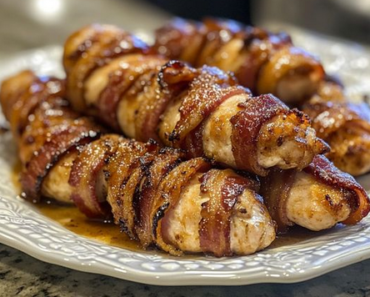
(205, 93)
(326, 172)
(126, 82)
(224, 188)
(85, 173)
(246, 126)
(44, 159)
(12, 90)
(27, 103)
(290, 63)
(165, 162)
(140, 184)
(277, 186)
(275, 189)
(148, 188)
(346, 128)
(329, 117)
(20, 105)
(101, 45)
(173, 105)
(168, 196)
(48, 118)
(121, 176)
(262, 61)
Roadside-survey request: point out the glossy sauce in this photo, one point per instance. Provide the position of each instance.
(72, 219)
(295, 235)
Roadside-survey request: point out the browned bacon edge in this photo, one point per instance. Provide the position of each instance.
(329, 117)
(146, 192)
(85, 174)
(275, 189)
(214, 227)
(324, 170)
(168, 196)
(48, 155)
(246, 126)
(277, 185)
(199, 43)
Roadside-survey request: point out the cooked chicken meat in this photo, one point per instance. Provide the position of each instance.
(152, 193)
(201, 110)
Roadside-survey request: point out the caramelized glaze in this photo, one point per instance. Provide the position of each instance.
(72, 219)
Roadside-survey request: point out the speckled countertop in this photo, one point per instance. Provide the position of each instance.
(34, 23)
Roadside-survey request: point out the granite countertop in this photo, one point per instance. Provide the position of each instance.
(35, 23)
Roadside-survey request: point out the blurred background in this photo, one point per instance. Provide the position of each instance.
(27, 24)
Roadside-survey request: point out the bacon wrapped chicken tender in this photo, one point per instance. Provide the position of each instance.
(152, 193)
(343, 125)
(203, 111)
(316, 198)
(262, 61)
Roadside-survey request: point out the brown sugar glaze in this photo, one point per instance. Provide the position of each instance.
(105, 231)
(72, 219)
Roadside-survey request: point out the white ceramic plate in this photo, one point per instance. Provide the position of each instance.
(24, 228)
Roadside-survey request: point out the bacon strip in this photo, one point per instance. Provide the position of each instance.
(329, 117)
(119, 170)
(345, 126)
(246, 126)
(43, 160)
(277, 185)
(275, 189)
(128, 81)
(165, 162)
(261, 60)
(176, 105)
(27, 103)
(85, 173)
(326, 172)
(48, 118)
(105, 43)
(289, 62)
(168, 196)
(140, 184)
(224, 187)
(205, 94)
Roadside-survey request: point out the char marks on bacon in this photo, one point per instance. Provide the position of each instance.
(60, 142)
(167, 197)
(177, 105)
(105, 44)
(86, 171)
(223, 188)
(141, 184)
(263, 61)
(246, 127)
(326, 172)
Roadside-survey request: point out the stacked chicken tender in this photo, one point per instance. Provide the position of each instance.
(268, 62)
(180, 199)
(147, 190)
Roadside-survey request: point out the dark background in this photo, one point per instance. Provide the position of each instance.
(196, 9)
(348, 19)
